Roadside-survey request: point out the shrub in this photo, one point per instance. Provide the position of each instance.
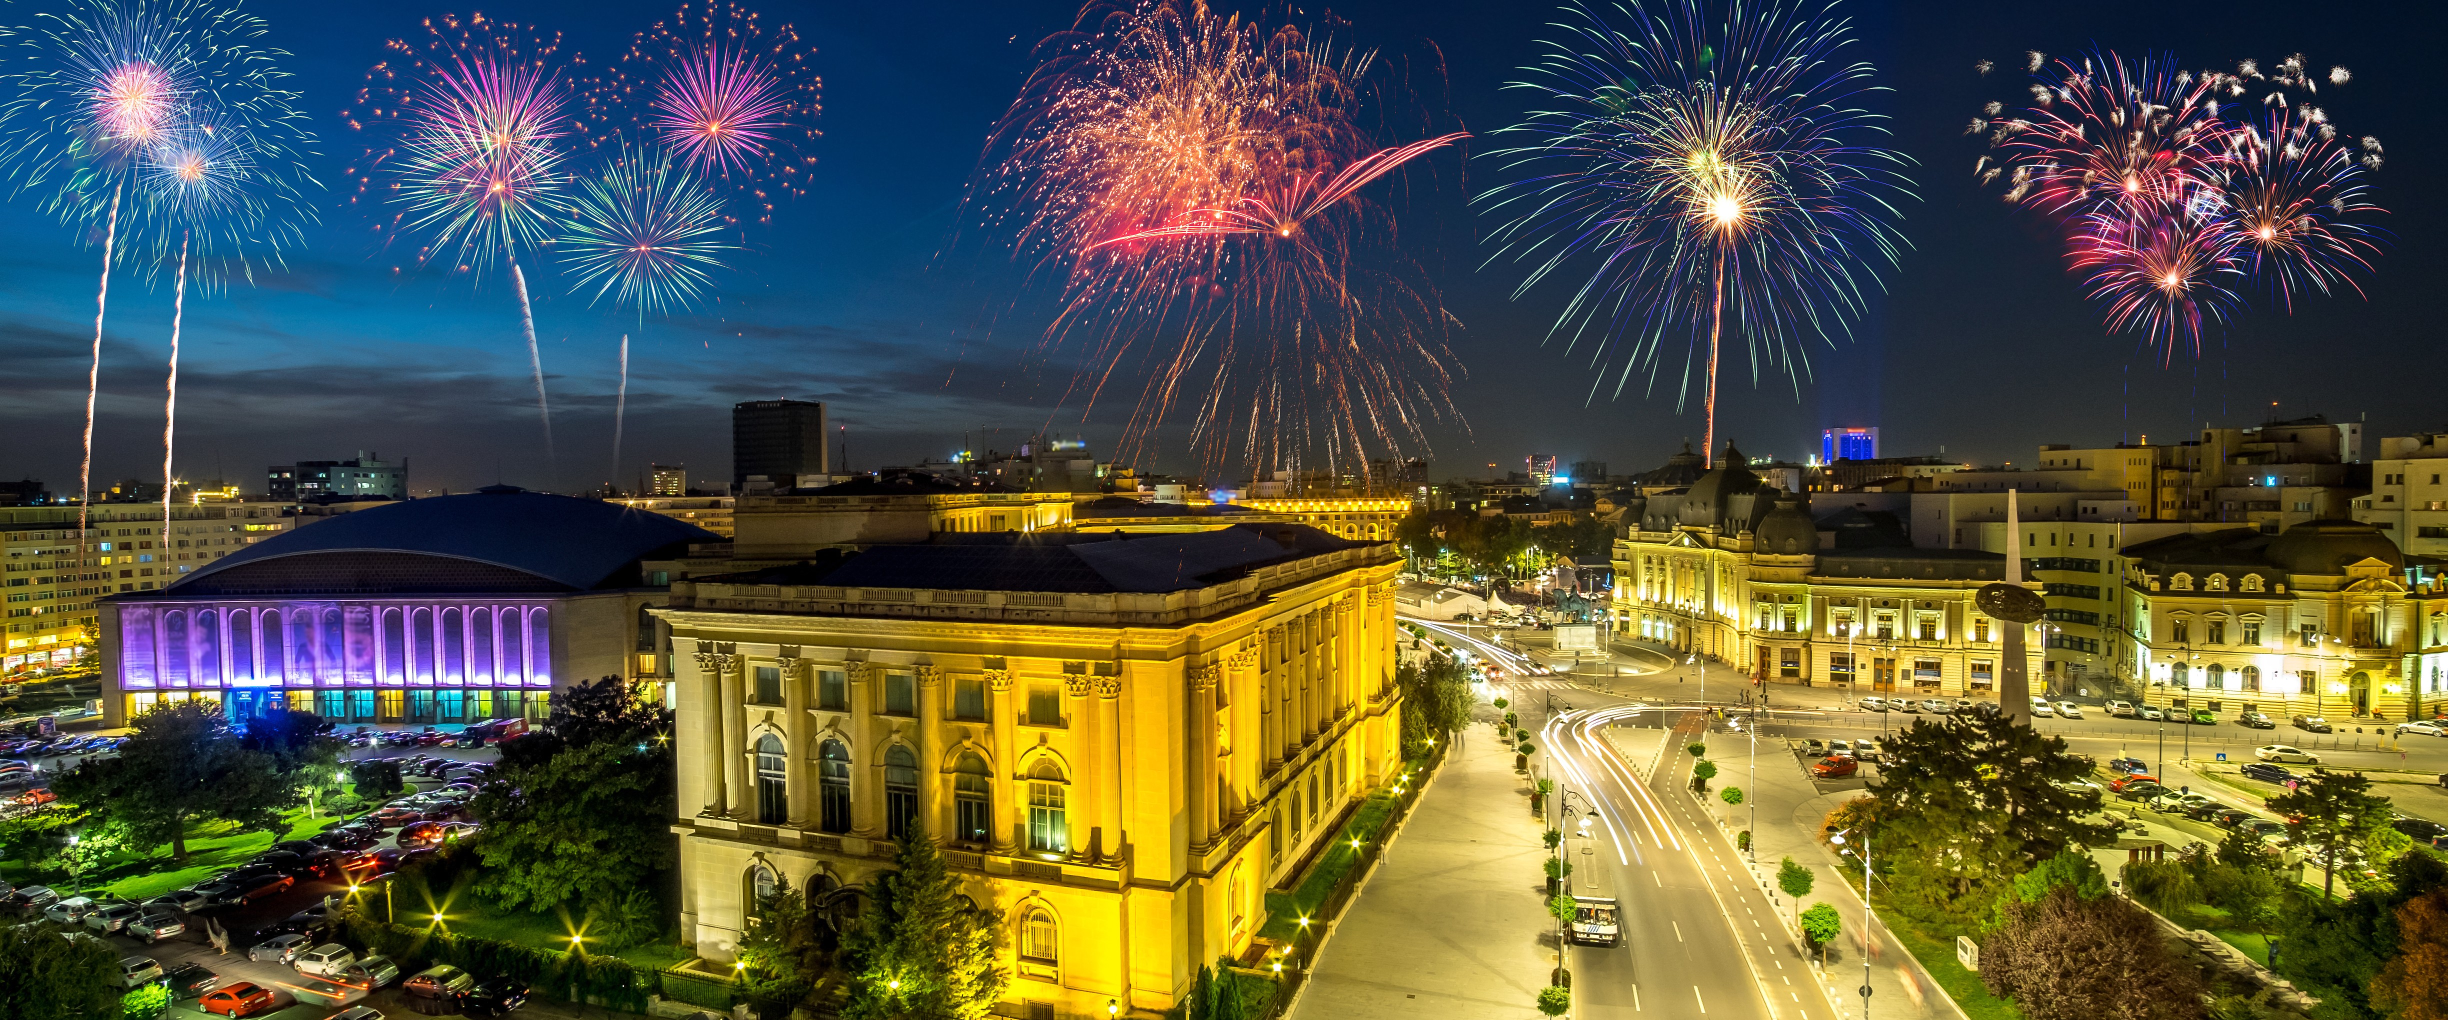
(1820, 925)
(1553, 837)
(1732, 795)
(1525, 749)
(1554, 1000)
(144, 1003)
(1558, 867)
(1502, 704)
(1695, 749)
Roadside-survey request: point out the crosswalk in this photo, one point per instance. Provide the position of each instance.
(1542, 685)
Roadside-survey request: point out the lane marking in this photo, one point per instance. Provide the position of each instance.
(1696, 998)
(1678, 930)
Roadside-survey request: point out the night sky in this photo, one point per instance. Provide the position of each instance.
(866, 293)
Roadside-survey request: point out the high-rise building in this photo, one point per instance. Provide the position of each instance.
(778, 441)
(1542, 469)
(2408, 503)
(362, 476)
(1851, 442)
(1586, 473)
(51, 579)
(668, 480)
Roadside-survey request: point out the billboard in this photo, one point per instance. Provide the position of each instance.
(1576, 637)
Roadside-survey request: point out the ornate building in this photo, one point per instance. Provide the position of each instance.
(1738, 571)
(2328, 619)
(1123, 740)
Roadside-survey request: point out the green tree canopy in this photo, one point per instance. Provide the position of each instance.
(375, 778)
(1436, 699)
(2331, 810)
(1994, 772)
(46, 974)
(923, 948)
(1821, 925)
(182, 766)
(292, 739)
(583, 806)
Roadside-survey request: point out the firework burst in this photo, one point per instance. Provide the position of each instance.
(643, 233)
(733, 97)
(2174, 198)
(1197, 184)
(1706, 173)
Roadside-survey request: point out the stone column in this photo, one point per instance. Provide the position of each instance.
(795, 737)
(1005, 802)
(739, 797)
(934, 796)
(709, 701)
(1109, 766)
(866, 752)
(1199, 726)
(1080, 713)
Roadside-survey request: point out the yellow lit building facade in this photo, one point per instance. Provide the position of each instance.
(1359, 518)
(49, 579)
(1119, 751)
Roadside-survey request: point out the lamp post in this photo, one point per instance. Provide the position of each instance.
(1839, 840)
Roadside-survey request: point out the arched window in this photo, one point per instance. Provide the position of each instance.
(763, 885)
(2252, 678)
(2176, 674)
(2251, 582)
(2217, 582)
(900, 792)
(772, 782)
(2215, 677)
(1040, 941)
(1049, 828)
(974, 821)
(833, 787)
(2181, 582)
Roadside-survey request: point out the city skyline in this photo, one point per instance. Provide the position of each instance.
(866, 294)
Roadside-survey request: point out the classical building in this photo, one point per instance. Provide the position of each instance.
(1733, 569)
(2328, 618)
(444, 610)
(1122, 739)
(1359, 518)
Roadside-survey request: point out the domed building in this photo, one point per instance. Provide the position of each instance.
(453, 609)
(2328, 619)
(1740, 571)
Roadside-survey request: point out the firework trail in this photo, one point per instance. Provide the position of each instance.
(643, 234)
(731, 96)
(176, 109)
(178, 313)
(2175, 200)
(1707, 168)
(1195, 182)
(477, 124)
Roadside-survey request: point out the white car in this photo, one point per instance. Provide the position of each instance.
(2425, 727)
(1938, 706)
(2041, 709)
(2281, 752)
(328, 960)
(2069, 710)
(2151, 713)
(2121, 709)
(138, 971)
(1874, 703)
(113, 918)
(1905, 705)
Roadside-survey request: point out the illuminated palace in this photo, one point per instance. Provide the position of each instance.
(1736, 570)
(2327, 618)
(445, 610)
(1123, 739)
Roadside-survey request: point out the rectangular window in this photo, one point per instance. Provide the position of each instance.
(2218, 632)
(900, 694)
(1980, 630)
(1793, 620)
(2179, 632)
(1045, 705)
(1789, 662)
(1840, 667)
(1886, 626)
(832, 690)
(769, 685)
(1047, 831)
(1983, 673)
(969, 698)
(1927, 626)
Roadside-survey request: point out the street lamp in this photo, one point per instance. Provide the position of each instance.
(1839, 840)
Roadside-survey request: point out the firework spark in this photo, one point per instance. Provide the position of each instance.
(1710, 173)
(735, 98)
(1194, 181)
(643, 233)
(2173, 202)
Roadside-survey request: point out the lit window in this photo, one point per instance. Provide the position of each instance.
(1049, 830)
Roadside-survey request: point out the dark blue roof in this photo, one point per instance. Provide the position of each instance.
(570, 543)
(1074, 561)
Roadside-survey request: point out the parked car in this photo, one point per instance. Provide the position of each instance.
(323, 992)
(1904, 705)
(1814, 748)
(2177, 802)
(395, 816)
(358, 1013)
(33, 898)
(155, 927)
(495, 998)
(416, 834)
(2150, 713)
(2269, 830)
(246, 998)
(280, 949)
(2040, 707)
(2127, 765)
(2228, 817)
(180, 900)
(2140, 789)
(2069, 710)
(139, 971)
(2282, 752)
(2265, 772)
(71, 910)
(369, 972)
(2422, 830)
(112, 918)
(2311, 724)
(2204, 717)
(324, 961)
(188, 980)
(440, 982)
(2423, 726)
(2121, 709)
(1840, 749)
(1938, 706)
(1835, 768)
(1874, 703)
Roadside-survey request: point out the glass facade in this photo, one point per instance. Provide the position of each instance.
(405, 660)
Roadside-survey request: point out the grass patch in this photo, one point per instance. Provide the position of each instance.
(1285, 907)
(1937, 955)
(474, 918)
(211, 848)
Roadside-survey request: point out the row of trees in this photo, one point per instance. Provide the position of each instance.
(184, 766)
(1462, 541)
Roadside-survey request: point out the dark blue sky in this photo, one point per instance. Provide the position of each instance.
(1983, 346)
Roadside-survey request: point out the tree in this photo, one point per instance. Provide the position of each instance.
(1796, 880)
(2331, 810)
(584, 805)
(1554, 1000)
(292, 739)
(1703, 771)
(181, 767)
(1732, 795)
(1436, 698)
(779, 948)
(2414, 985)
(2067, 870)
(46, 974)
(144, 1003)
(1983, 764)
(375, 778)
(923, 948)
(2335, 948)
(2064, 957)
(1820, 925)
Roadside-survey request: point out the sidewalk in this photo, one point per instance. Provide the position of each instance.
(1450, 924)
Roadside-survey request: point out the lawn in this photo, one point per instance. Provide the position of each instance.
(211, 848)
(474, 918)
(1937, 955)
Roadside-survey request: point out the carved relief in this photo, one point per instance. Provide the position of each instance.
(1109, 687)
(1075, 685)
(1204, 678)
(928, 676)
(998, 680)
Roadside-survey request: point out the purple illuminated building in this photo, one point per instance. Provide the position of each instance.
(454, 609)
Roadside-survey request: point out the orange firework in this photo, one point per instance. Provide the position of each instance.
(1196, 183)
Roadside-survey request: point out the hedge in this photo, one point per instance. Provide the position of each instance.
(559, 975)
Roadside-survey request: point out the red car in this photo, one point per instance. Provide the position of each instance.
(419, 834)
(393, 817)
(245, 998)
(2119, 784)
(1834, 768)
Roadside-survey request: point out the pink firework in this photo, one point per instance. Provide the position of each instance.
(2166, 277)
(133, 103)
(719, 109)
(1297, 200)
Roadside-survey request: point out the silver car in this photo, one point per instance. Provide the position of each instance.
(71, 910)
(281, 950)
(1938, 706)
(109, 920)
(155, 927)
